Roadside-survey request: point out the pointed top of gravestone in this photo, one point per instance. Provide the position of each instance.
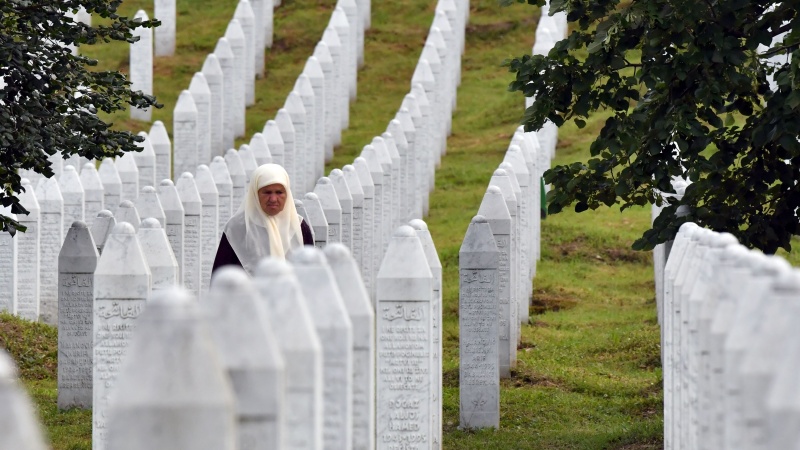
(147, 153)
(418, 91)
(314, 68)
(307, 256)
(739, 256)
(418, 224)
(478, 250)
(141, 14)
(787, 283)
(396, 129)
(244, 11)
(323, 53)
(211, 67)
(234, 33)
(27, 197)
(48, 194)
(70, 182)
(186, 103)
(127, 213)
(272, 134)
(90, 179)
(260, 149)
(127, 167)
(189, 195)
(339, 18)
(351, 286)
(149, 205)
(158, 134)
(219, 169)
(370, 156)
(158, 253)
(101, 227)
(479, 219)
(206, 185)
(223, 52)
(430, 55)
(410, 102)
(324, 180)
(294, 104)
(516, 158)
(303, 86)
(199, 87)
(441, 21)
(512, 177)
(331, 39)
(341, 187)
(248, 159)
(391, 146)
(723, 240)
(421, 228)
(423, 74)
(364, 174)
(285, 125)
(149, 222)
(353, 183)
(404, 116)
(379, 145)
(316, 215)
(323, 295)
(404, 231)
(78, 252)
(495, 209)
(109, 174)
(404, 261)
(234, 162)
(20, 427)
(327, 197)
(170, 202)
(436, 37)
(273, 268)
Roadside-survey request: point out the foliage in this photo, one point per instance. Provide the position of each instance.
(687, 86)
(51, 98)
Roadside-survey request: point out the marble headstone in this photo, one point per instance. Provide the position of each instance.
(210, 222)
(333, 210)
(29, 256)
(185, 133)
(213, 74)
(149, 205)
(141, 65)
(51, 237)
(162, 147)
(174, 221)
(112, 184)
(129, 175)
(73, 196)
(93, 192)
(158, 254)
(192, 232)
(146, 161)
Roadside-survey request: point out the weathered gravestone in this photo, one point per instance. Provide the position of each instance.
(478, 320)
(158, 254)
(258, 30)
(244, 14)
(358, 237)
(222, 177)
(149, 205)
(310, 156)
(174, 221)
(260, 149)
(236, 39)
(8, 267)
(332, 121)
(333, 210)
(173, 392)
(301, 210)
(164, 11)
(238, 178)
(390, 188)
(502, 180)
(316, 219)
(380, 237)
(398, 138)
(350, 10)
(224, 56)
(313, 70)
(93, 192)
(213, 74)
(201, 94)
(129, 176)
(121, 288)
(346, 33)
(404, 336)
(248, 160)
(162, 147)
(340, 99)
(346, 203)
(288, 313)
(51, 237)
(371, 240)
(146, 161)
(112, 184)
(77, 262)
(192, 232)
(69, 183)
(359, 308)
(29, 256)
(294, 162)
(397, 178)
(19, 427)
(274, 139)
(141, 64)
(335, 332)
(523, 283)
(250, 355)
(209, 222)
(184, 133)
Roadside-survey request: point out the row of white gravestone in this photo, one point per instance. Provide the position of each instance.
(729, 347)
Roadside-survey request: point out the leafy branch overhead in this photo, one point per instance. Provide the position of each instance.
(51, 98)
(702, 90)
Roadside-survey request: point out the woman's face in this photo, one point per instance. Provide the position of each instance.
(272, 198)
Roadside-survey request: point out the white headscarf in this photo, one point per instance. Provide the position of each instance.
(252, 233)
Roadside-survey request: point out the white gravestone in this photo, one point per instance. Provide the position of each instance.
(164, 11)
(224, 56)
(391, 188)
(494, 210)
(426, 141)
(158, 254)
(362, 316)
(173, 375)
(75, 161)
(222, 177)
(346, 204)
(56, 161)
(28, 256)
(250, 355)
(201, 94)
(501, 179)
(260, 149)
(20, 427)
(371, 241)
(238, 178)
(332, 121)
(350, 8)
(149, 205)
(312, 155)
(141, 65)
(273, 136)
(8, 267)
(244, 14)
(514, 156)
(379, 225)
(316, 219)
(93, 192)
(523, 277)
(146, 161)
(297, 111)
(346, 33)
(112, 184)
(289, 316)
(192, 232)
(421, 228)
(316, 76)
(357, 194)
(51, 237)
(301, 210)
(213, 73)
(330, 37)
(287, 132)
(128, 175)
(410, 122)
(174, 221)
(478, 323)
(210, 222)
(236, 39)
(335, 332)
(121, 288)
(258, 42)
(248, 160)
(72, 193)
(268, 21)
(404, 332)
(126, 212)
(333, 210)
(76, 265)
(184, 133)
(395, 130)
(162, 147)
(397, 178)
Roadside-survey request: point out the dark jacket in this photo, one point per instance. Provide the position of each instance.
(226, 256)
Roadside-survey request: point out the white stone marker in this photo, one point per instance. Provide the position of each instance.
(158, 254)
(112, 184)
(501, 179)
(121, 288)
(164, 10)
(29, 256)
(371, 241)
(523, 276)
(8, 267)
(248, 160)
(237, 41)
(301, 209)
(346, 33)
(335, 332)
(129, 175)
(77, 262)
(404, 334)
(173, 375)
(244, 14)
(268, 21)
(141, 64)
(316, 219)
(330, 37)
(494, 210)
(316, 76)
(238, 178)
(288, 314)
(400, 146)
(356, 36)
(93, 192)
(224, 56)
(174, 220)
(222, 177)
(353, 184)
(311, 155)
(284, 122)
(273, 136)
(162, 147)
(75, 161)
(398, 174)
(146, 161)
(101, 227)
(213, 73)
(126, 212)
(51, 235)
(184, 133)
(201, 94)
(294, 166)
(359, 308)
(478, 322)
(210, 222)
(381, 225)
(56, 161)
(333, 210)
(72, 193)
(421, 228)
(260, 149)
(20, 427)
(258, 30)
(192, 232)
(332, 121)
(250, 355)
(149, 205)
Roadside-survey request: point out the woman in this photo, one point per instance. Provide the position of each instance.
(266, 224)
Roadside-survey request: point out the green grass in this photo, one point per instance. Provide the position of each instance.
(588, 375)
